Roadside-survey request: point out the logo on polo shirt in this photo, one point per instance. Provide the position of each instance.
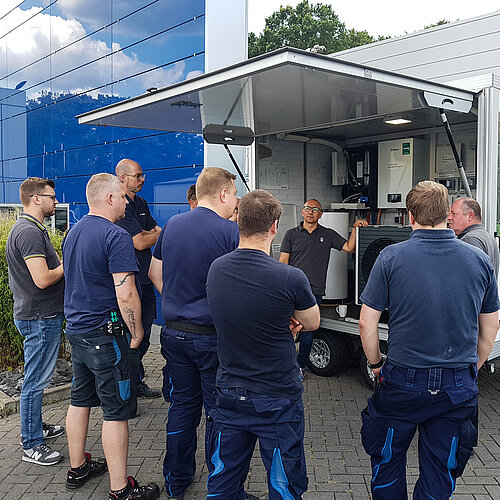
(321, 239)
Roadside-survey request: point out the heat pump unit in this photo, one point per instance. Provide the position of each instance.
(370, 241)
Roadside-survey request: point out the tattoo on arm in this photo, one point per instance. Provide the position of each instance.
(131, 321)
(123, 280)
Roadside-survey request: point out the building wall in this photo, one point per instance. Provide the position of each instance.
(83, 55)
(445, 53)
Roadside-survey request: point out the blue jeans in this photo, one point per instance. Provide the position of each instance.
(306, 340)
(42, 340)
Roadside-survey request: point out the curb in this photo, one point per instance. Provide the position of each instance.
(10, 405)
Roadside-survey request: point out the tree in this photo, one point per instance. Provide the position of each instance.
(304, 27)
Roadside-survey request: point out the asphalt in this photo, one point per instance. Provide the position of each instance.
(338, 468)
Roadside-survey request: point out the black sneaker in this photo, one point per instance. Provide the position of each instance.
(149, 491)
(144, 391)
(42, 455)
(52, 431)
(94, 468)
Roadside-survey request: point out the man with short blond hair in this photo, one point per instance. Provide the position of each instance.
(37, 284)
(140, 224)
(187, 245)
(104, 328)
(442, 299)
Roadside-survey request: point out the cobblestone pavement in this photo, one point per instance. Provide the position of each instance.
(338, 468)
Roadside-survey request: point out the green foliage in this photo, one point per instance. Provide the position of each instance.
(439, 23)
(11, 342)
(304, 27)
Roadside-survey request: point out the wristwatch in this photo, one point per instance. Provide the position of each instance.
(376, 365)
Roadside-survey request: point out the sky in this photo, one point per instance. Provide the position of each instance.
(382, 17)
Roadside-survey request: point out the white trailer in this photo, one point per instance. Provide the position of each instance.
(316, 126)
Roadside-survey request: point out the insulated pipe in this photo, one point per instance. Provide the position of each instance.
(301, 138)
(460, 165)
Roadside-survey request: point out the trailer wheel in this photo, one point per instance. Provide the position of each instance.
(329, 354)
(367, 375)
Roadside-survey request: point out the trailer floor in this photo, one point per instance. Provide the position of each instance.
(337, 465)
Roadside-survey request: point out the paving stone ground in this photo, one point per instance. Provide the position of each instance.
(338, 468)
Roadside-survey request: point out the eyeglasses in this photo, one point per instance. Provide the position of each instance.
(311, 209)
(137, 176)
(52, 196)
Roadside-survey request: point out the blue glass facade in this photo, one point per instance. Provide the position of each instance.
(70, 57)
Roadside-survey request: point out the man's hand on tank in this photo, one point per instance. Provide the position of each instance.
(360, 223)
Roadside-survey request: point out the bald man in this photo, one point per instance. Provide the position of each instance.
(308, 248)
(144, 230)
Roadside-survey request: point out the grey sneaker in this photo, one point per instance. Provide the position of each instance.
(42, 455)
(49, 431)
(52, 431)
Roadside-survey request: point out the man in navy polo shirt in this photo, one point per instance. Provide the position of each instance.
(442, 298)
(187, 246)
(103, 310)
(252, 298)
(308, 248)
(144, 230)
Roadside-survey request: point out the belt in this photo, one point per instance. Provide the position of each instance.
(191, 328)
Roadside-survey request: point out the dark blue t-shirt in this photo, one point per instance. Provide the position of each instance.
(434, 286)
(187, 246)
(138, 218)
(93, 250)
(252, 298)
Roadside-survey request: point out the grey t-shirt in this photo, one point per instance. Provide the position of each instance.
(311, 252)
(27, 239)
(477, 236)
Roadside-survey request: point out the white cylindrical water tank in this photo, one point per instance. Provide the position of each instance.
(336, 277)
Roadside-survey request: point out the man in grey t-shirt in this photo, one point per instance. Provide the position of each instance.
(37, 284)
(465, 220)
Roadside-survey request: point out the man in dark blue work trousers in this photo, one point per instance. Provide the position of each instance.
(252, 299)
(144, 230)
(187, 246)
(442, 299)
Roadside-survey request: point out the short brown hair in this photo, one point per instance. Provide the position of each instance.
(31, 186)
(471, 205)
(191, 193)
(212, 180)
(257, 212)
(428, 203)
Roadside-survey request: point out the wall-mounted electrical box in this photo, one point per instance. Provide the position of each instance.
(402, 163)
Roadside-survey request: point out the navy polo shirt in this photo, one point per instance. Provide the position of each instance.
(311, 252)
(252, 297)
(93, 250)
(434, 286)
(187, 246)
(138, 218)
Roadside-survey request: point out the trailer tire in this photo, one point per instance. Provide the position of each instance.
(367, 376)
(329, 354)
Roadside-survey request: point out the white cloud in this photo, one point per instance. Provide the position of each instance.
(44, 34)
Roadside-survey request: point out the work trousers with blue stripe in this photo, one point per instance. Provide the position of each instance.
(241, 417)
(191, 367)
(441, 403)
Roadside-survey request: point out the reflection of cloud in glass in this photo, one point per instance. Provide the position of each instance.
(156, 15)
(44, 34)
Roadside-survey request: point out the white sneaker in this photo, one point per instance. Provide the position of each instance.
(42, 455)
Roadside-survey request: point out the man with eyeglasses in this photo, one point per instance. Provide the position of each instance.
(37, 284)
(140, 224)
(307, 247)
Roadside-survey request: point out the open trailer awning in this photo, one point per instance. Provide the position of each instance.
(288, 90)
